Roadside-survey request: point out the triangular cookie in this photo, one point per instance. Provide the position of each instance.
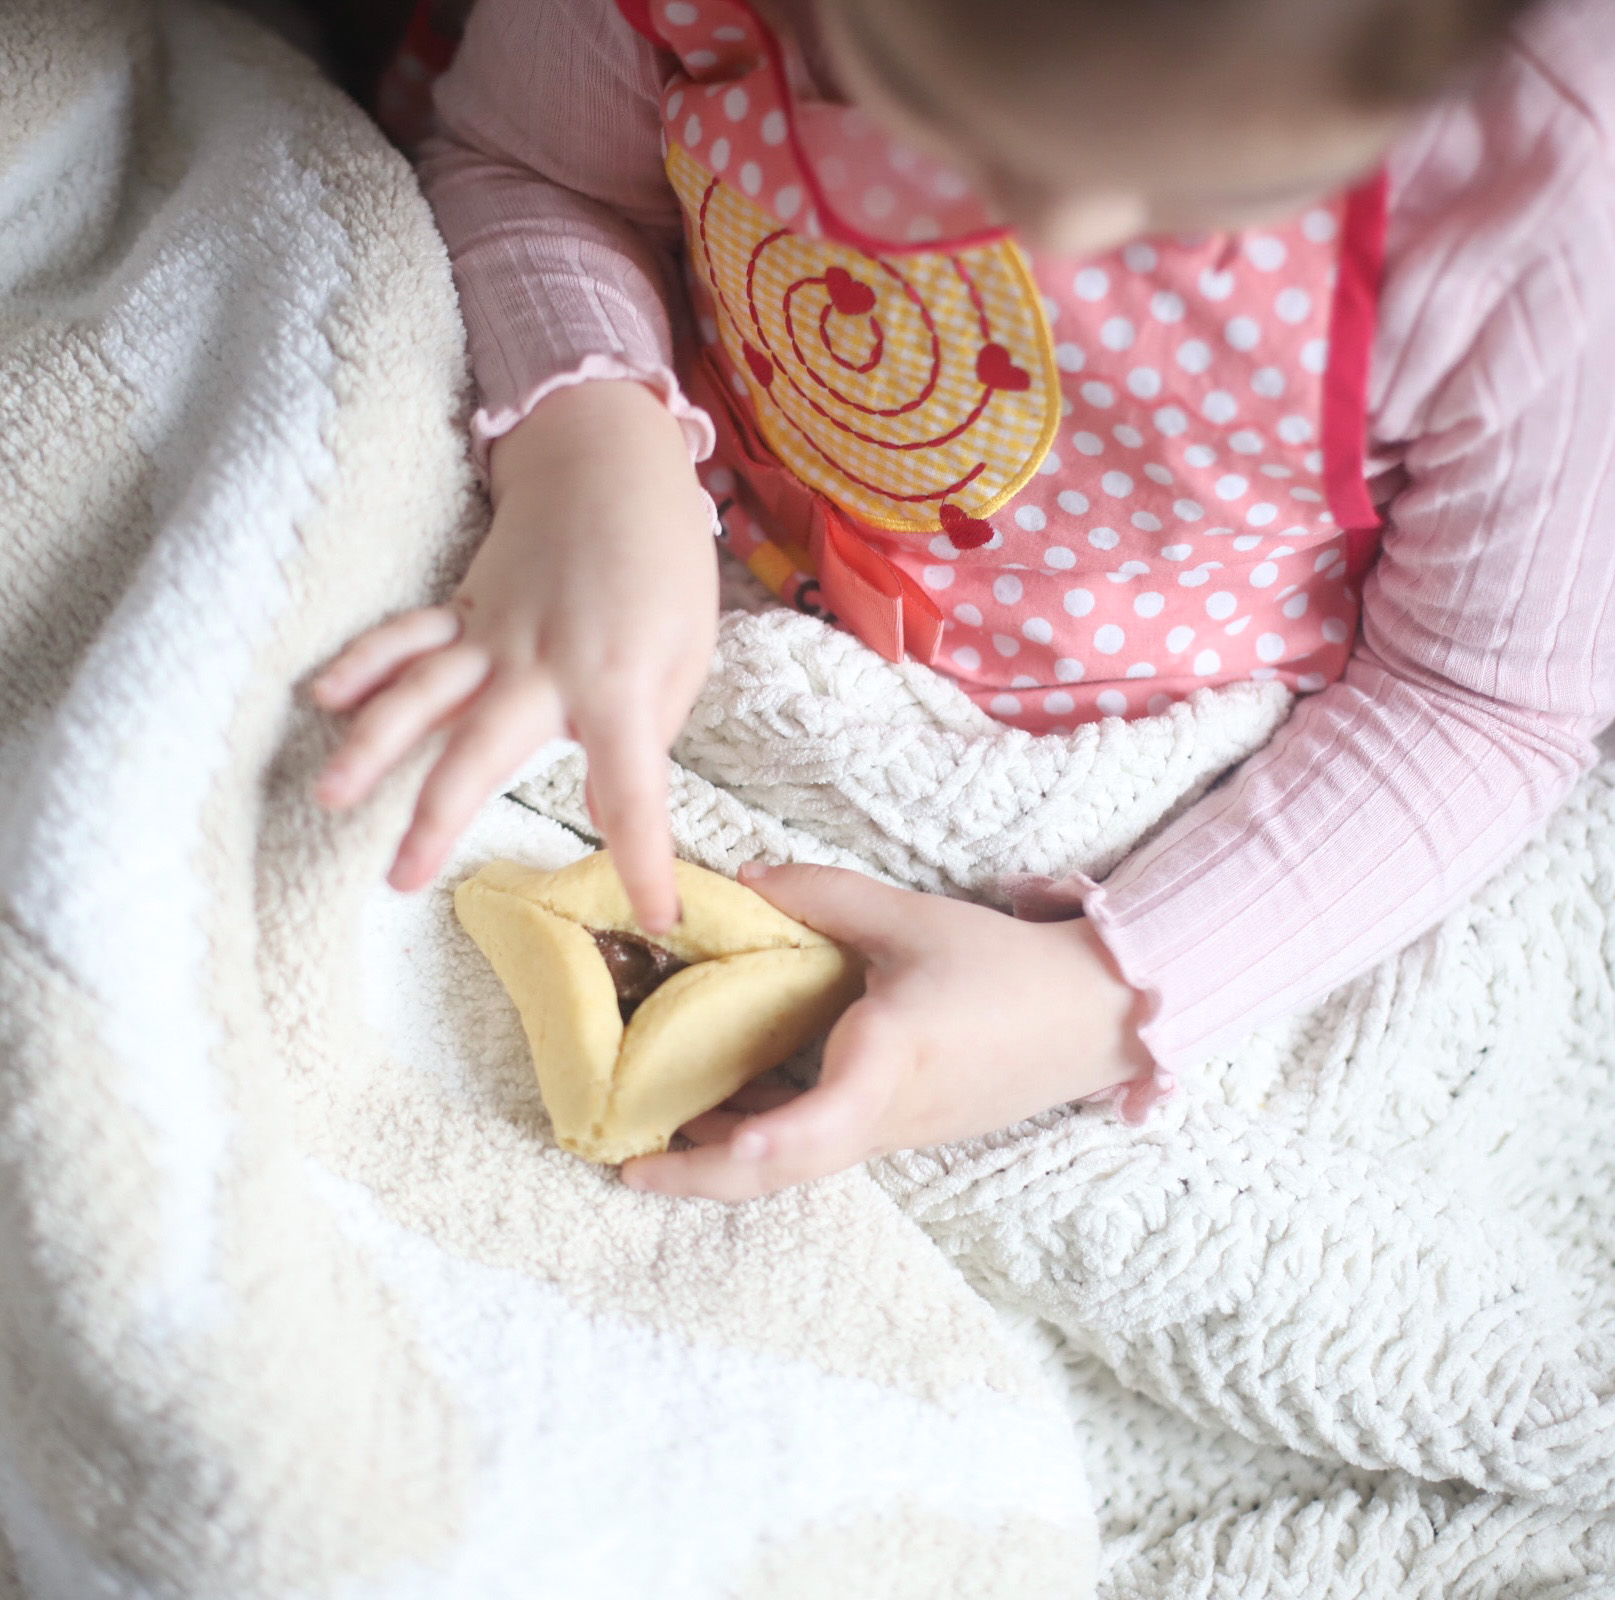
(757, 987)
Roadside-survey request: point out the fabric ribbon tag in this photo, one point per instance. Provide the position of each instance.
(891, 613)
(883, 606)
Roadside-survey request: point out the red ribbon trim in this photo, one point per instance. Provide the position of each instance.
(1353, 320)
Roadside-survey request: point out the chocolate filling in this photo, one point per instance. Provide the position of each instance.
(637, 967)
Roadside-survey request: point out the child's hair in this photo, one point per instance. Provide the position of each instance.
(1383, 54)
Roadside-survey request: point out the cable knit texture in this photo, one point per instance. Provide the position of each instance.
(1338, 1319)
(1486, 661)
(300, 1297)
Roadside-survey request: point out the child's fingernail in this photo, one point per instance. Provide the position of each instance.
(749, 1146)
(752, 870)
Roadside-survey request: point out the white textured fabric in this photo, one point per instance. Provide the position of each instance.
(1486, 661)
(301, 1300)
(1340, 1319)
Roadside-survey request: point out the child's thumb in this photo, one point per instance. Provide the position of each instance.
(845, 906)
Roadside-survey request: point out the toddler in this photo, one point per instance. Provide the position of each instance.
(1091, 351)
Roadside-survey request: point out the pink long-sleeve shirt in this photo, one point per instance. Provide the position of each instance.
(1485, 667)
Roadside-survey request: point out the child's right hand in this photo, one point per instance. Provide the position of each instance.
(589, 611)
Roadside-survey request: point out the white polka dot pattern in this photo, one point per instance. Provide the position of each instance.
(1191, 377)
(902, 193)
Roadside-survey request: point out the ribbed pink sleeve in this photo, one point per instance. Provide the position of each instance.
(1487, 659)
(548, 187)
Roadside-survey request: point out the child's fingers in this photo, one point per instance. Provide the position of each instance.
(628, 783)
(380, 654)
(395, 720)
(831, 1127)
(714, 1126)
(505, 726)
(850, 907)
(722, 1168)
(708, 1172)
(763, 1094)
(864, 1059)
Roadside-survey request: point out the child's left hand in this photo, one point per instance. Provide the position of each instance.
(971, 1020)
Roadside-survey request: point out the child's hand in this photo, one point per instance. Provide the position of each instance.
(971, 1021)
(590, 611)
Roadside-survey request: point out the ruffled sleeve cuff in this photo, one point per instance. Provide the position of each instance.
(494, 422)
(1036, 899)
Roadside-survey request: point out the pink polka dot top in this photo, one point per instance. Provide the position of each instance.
(1082, 489)
(1085, 488)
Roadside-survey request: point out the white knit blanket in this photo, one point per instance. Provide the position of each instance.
(1340, 1320)
(299, 1297)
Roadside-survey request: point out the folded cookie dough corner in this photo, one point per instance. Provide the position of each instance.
(633, 1036)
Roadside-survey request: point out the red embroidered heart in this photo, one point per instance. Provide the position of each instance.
(966, 531)
(849, 295)
(995, 369)
(762, 369)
